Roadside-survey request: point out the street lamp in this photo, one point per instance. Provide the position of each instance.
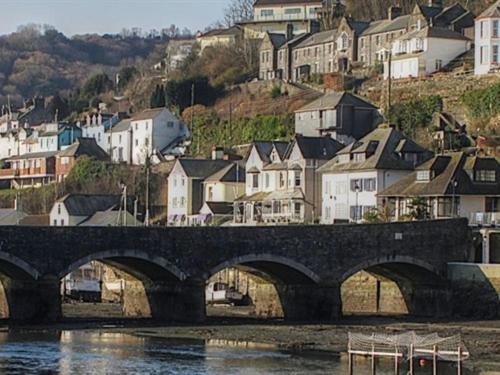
(357, 189)
(454, 185)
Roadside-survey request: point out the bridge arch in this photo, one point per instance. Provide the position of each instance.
(16, 268)
(412, 286)
(281, 268)
(135, 262)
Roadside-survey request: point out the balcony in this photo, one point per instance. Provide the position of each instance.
(8, 173)
(484, 219)
(284, 17)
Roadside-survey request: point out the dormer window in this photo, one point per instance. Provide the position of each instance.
(358, 157)
(424, 176)
(343, 42)
(485, 175)
(343, 159)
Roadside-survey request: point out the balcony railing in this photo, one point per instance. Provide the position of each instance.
(286, 17)
(8, 172)
(485, 219)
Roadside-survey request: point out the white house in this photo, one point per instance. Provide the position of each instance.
(487, 38)
(119, 142)
(425, 51)
(156, 132)
(352, 180)
(282, 183)
(74, 209)
(451, 185)
(185, 188)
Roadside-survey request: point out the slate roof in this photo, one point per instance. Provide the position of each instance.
(318, 38)
(277, 40)
(285, 2)
(123, 125)
(434, 32)
(357, 26)
(446, 169)
(233, 30)
(492, 11)
(329, 101)
(10, 216)
(202, 168)
(234, 172)
(147, 114)
(264, 148)
(320, 148)
(295, 40)
(88, 204)
(380, 148)
(34, 155)
(387, 25)
(220, 208)
(84, 146)
(108, 218)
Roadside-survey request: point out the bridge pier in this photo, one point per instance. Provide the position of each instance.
(310, 302)
(32, 301)
(429, 300)
(164, 301)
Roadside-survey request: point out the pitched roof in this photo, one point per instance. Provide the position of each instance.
(380, 149)
(357, 26)
(295, 40)
(202, 168)
(264, 149)
(445, 170)
(492, 11)
(85, 146)
(109, 218)
(234, 172)
(285, 2)
(34, 155)
(318, 38)
(122, 126)
(147, 114)
(387, 25)
(331, 100)
(220, 208)
(320, 148)
(88, 204)
(277, 40)
(434, 32)
(10, 216)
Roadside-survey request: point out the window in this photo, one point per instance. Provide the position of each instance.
(64, 160)
(255, 181)
(329, 48)
(439, 64)
(266, 13)
(356, 213)
(281, 55)
(423, 175)
(170, 124)
(146, 141)
(484, 55)
(267, 179)
(183, 181)
(62, 222)
(175, 181)
(362, 42)
(377, 40)
(263, 57)
(55, 223)
(174, 202)
(495, 58)
(137, 143)
(98, 137)
(183, 202)
(282, 179)
(316, 51)
(344, 41)
(147, 125)
(292, 10)
(483, 26)
(297, 179)
(369, 184)
(297, 208)
(485, 175)
(120, 139)
(358, 157)
(356, 185)
(296, 55)
(419, 44)
(136, 126)
(58, 209)
(496, 28)
(448, 208)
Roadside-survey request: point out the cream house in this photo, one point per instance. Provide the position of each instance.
(425, 51)
(282, 183)
(352, 179)
(487, 38)
(451, 185)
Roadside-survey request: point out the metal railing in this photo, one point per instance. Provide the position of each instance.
(484, 219)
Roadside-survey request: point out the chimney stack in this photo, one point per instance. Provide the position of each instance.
(289, 31)
(217, 153)
(394, 12)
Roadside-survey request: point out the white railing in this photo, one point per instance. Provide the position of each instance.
(484, 219)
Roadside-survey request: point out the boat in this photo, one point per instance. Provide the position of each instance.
(222, 293)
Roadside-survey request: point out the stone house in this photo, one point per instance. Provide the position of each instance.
(487, 38)
(341, 115)
(282, 184)
(66, 159)
(268, 64)
(361, 170)
(286, 65)
(314, 54)
(452, 185)
(348, 33)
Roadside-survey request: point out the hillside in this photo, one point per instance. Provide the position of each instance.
(43, 61)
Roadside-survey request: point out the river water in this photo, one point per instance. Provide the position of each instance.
(95, 352)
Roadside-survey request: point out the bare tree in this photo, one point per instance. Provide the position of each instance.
(238, 11)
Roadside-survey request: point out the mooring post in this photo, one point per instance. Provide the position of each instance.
(411, 359)
(459, 361)
(374, 370)
(350, 359)
(434, 360)
(396, 362)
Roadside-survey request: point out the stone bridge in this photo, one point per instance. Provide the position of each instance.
(307, 264)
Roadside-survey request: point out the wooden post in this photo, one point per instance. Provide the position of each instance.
(411, 359)
(396, 362)
(434, 360)
(374, 370)
(459, 361)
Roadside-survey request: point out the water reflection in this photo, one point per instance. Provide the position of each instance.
(94, 352)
